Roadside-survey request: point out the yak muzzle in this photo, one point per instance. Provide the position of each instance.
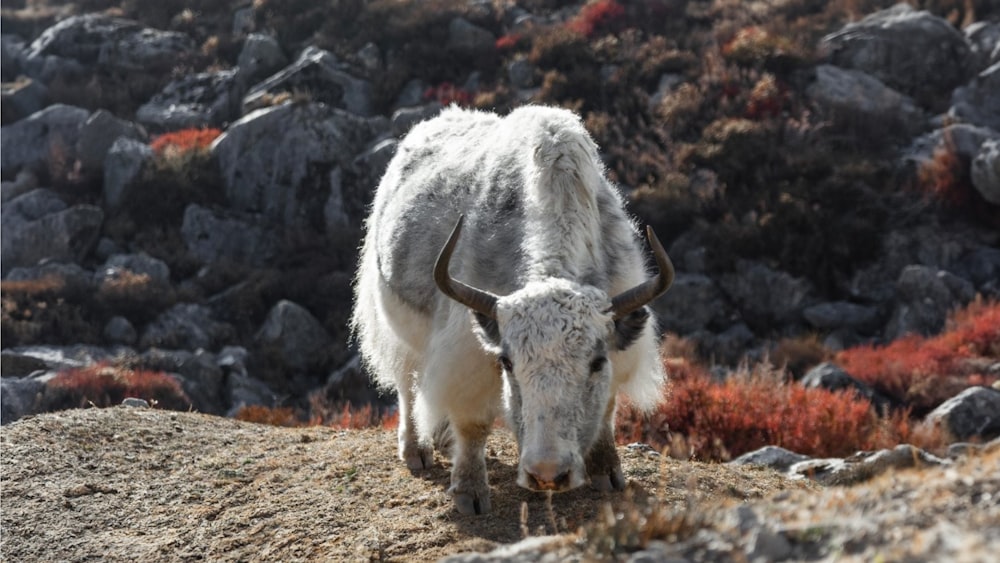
(548, 475)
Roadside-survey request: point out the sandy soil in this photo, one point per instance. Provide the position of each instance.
(141, 484)
(147, 485)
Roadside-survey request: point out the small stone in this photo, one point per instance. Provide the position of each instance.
(133, 402)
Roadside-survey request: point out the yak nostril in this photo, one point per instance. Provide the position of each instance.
(562, 481)
(546, 477)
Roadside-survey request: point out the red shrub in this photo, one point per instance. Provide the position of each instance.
(447, 93)
(599, 15)
(184, 140)
(278, 416)
(752, 409)
(104, 385)
(345, 418)
(924, 372)
(509, 42)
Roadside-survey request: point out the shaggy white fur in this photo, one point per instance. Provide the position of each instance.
(548, 233)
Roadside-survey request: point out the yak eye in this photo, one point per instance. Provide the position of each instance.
(598, 364)
(506, 364)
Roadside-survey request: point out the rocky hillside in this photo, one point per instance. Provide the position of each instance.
(184, 185)
(183, 189)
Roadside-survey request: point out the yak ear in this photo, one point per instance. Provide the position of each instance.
(628, 328)
(487, 331)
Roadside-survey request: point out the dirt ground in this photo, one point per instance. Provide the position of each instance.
(147, 485)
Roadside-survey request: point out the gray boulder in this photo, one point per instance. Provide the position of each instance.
(211, 235)
(770, 456)
(201, 376)
(44, 142)
(766, 298)
(18, 397)
(12, 49)
(405, 118)
(33, 205)
(58, 358)
(318, 75)
(927, 243)
(984, 41)
(369, 166)
(981, 266)
(973, 413)
(859, 100)
(863, 465)
(99, 133)
(412, 93)
(74, 279)
(120, 330)
(277, 161)
(98, 40)
(370, 56)
(693, 303)
(124, 165)
(207, 99)
(915, 52)
(728, 347)
(350, 384)
(24, 182)
(833, 378)
(468, 38)
(295, 337)
(186, 326)
(335, 215)
(140, 263)
(21, 98)
(244, 391)
(962, 138)
(261, 57)
(986, 171)
(925, 295)
(13, 364)
(978, 102)
(521, 73)
(841, 314)
(34, 230)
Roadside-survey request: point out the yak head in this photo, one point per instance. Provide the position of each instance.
(553, 339)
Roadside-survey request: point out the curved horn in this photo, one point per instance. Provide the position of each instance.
(632, 299)
(478, 300)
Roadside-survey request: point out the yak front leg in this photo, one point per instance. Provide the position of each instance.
(416, 455)
(603, 465)
(469, 486)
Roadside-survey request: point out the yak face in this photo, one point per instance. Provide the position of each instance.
(552, 340)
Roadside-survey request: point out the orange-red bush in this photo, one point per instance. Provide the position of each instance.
(447, 93)
(924, 372)
(104, 385)
(277, 416)
(344, 418)
(509, 42)
(755, 408)
(184, 140)
(596, 16)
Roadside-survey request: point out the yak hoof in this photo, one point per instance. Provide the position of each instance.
(607, 483)
(419, 458)
(471, 504)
